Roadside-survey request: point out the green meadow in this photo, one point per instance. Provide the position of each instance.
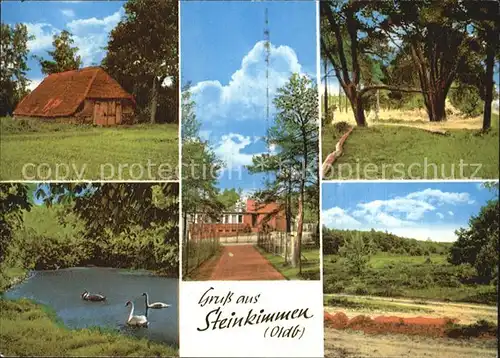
(426, 277)
(400, 152)
(37, 150)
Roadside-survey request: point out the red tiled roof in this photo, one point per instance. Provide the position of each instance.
(254, 207)
(60, 94)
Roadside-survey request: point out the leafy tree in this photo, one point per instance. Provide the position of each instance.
(434, 34)
(478, 244)
(142, 54)
(116, 206)
(295, 166)
(190, 126)
(486, 26)
(13, 66)
(200, 166)
(116, 214)
(64, 55)
(356, 253)
(13, 199)
(356, 50)
(229, 198)
(332, 241)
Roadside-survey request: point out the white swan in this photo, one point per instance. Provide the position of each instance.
(155, 305)
(132, 320)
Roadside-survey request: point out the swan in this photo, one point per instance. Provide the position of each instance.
(155, 305)
(132, 320)
(92, 296)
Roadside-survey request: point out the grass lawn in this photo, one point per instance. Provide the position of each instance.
(310, 265)
(29, 329)
(55, 151)
(398, 152)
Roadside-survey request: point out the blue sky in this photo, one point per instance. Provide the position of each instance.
(414, 210)
(223, 56)
(90, 22)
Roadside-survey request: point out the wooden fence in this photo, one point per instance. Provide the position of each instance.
(280, 243)
(277, 243)
(197, 248)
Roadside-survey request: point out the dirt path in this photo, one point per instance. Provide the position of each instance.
(465, 313)
(243, 262)
(357, 344)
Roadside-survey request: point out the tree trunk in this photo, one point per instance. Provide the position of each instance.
(357, 106)
(186, 244)
(326, 92)
(300, 216)
(298, 239)
(435, 104)
(154, 101)
(488, 86)
(340, 98)
(377, 109)
(289, 204)
(346, 104)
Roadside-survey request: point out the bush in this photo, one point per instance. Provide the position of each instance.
(467, 100)
(310, 275)
(342, 127)
(486, 297)
(478, 329)
(47, 252)
(333, 285)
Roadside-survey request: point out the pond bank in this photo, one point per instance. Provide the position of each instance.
(61, 291)
(30, 329)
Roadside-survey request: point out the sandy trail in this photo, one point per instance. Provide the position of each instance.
(357, 344)
(465, 313)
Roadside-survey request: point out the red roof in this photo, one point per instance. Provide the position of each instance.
(254, 207)
(60, 94)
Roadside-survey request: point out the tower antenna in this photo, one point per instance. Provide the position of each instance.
(267, 45)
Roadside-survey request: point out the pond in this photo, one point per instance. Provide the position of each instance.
(61, 290)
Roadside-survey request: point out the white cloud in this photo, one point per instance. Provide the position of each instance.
(34, 83)
(407, 211)
(400, 215)
(68, 12)
(94, 24)
(439, 197)
(244, 96)
(439, 233)
(90, 35)
(338, 218)
(229, 150)
(387, 212)
(43, 36)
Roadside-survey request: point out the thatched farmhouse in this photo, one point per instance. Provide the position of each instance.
(88, 95)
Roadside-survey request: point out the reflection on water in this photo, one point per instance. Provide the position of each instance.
(62, 291)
